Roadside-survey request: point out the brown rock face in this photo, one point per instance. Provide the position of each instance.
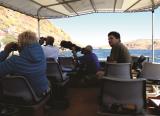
(13, 23)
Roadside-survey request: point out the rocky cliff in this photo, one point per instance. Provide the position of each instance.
(13, 23)
(139, 44)
(143, 44)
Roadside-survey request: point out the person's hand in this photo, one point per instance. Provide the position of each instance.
(12, 46)
(100, 74)
(110, 60)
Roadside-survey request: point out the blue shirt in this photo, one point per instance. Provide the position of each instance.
(90, 63)
(30, 63)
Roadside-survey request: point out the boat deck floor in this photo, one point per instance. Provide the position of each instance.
(83, 102)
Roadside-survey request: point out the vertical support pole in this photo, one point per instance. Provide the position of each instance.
(38, 28)
(152, 36)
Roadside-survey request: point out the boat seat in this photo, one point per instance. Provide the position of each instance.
(118, 70)
(16, 91)
(151, 72)
(66, 63)
(117, 95)
(55, 73)
(58, 80)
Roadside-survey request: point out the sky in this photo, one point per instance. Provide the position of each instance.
(92, 29)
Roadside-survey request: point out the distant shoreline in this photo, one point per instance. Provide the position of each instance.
(128, 49)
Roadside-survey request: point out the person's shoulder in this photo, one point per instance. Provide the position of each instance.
(53, 47)
(56, 47)
(122, 45)
(94, 54)
(123, 48)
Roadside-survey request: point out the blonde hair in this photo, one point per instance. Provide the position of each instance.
(27, 38)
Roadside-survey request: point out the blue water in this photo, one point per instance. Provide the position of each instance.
(103, 53)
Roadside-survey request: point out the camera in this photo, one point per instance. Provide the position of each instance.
(14, 47)
(70, 45)
(41, 40)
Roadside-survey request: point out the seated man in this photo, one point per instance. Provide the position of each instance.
(119, 53)
(30, 63)
(89, 63)
(49, 50)
(87, 67)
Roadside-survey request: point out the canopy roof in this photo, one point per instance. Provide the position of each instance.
(68, 8)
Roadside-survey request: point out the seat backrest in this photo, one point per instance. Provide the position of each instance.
(51, 59)
(123, 91)
(18, 87)
(118, 70)
(54, 71)
(66, 62)
(151, 71)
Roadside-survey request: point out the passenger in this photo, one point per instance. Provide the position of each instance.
(89, 63)
(119, 53)
(30, 63)
(50, 51)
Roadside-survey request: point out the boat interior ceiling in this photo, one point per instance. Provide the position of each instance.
(45, 9)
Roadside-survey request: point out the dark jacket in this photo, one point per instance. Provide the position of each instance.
(120, 54)
(30, 63)
(89, 62)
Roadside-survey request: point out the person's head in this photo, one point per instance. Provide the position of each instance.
(26, 38)
(41, 40)
(113, 38)
(49, 40)
(88, 49)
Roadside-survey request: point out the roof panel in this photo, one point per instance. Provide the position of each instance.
(60, 8)
(82, 6)
(67, 8)
(141, 4)
(46, 2)
(104, 4)
(44, 12)
(119, 4)
(127, 4)
(23, 6)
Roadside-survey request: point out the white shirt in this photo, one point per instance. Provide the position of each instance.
(50, 51)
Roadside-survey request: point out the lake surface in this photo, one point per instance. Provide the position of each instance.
(103, 53)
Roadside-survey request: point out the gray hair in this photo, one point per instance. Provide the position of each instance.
(89, 48)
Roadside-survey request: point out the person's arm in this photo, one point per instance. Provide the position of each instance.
(6, 65)
(113, 55)
(7, 50)
(3, 55)
(81, 62)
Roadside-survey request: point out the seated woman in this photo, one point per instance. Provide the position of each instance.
(30, 63)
